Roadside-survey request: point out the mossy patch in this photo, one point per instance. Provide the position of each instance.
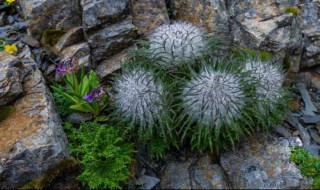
(5, 111)
(44, 182)
(308, 164)
(294, 10)
(51, 36)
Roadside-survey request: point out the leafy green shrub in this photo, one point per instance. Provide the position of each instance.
(85, 92)
(105, 156)
(308, 164)
(62, 104)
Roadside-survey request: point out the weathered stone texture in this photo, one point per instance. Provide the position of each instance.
(50, 14)
(10, 80)
(31, 138)
(97, 12)
(111, 39)
(149, 14)
(262, 163)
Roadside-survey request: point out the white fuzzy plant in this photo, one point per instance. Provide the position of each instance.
(139, 97)
(172, 44)
(213, 98)
(269, 79)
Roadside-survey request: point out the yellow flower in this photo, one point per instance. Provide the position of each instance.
(10, 48)
(10, 1)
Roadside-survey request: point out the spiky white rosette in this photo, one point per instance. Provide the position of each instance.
(176, 43)
(269, 79)
(139, 96)
(213, 97)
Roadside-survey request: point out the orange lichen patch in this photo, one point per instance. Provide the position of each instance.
(22, 123)
(295, 104)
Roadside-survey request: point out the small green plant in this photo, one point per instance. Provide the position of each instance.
(104, 155)
(294, 10)
(85, 92)
(62, 103)
(308, 164)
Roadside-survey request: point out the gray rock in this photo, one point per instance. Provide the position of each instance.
(262, 163)
(29, 40)
(112, 39)
(50, 14)
(212, 14)
(282, 131)
(314, 135)
(79, 51)
(149, 14)
(73, 36)
(304, 134)
(97, 12)
(149, 182)
(311, 119)
(309, 106)
(31, 138)
(77, 117)
(10, 79)
(206, 175)
(110, 65)
(176, 176)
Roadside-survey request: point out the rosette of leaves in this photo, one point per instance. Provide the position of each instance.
(173, 44)
(140, 101)
(270, 97)
(214, 103)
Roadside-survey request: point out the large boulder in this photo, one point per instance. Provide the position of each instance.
(31, 137)
(50, 14)
(10, 79)
(262, 163)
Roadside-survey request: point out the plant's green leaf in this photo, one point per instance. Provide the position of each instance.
(102, 118)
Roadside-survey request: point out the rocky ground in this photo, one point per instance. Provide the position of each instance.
(261, 161)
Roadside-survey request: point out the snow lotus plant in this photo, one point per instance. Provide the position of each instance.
(85, 92)
(173, 44)
(140, 100)
(211, 102)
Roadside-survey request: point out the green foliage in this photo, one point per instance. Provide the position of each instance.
(308, 164)
(3, 42)
(5, 112)
(105, 156)
(294, 10)
(85, 92)
(62, 103)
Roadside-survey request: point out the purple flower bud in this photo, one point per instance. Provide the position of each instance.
(66, 66)
(95, 93)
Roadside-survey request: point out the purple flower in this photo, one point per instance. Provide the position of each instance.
(95, 93)
(66, 66)
(88, 97)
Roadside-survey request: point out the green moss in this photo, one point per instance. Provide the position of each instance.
(44, 181)
(286, 63)
(51, 36)
(308, 164)
(264, 55)
(5, 111)
(294, 10)
(62, 104)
